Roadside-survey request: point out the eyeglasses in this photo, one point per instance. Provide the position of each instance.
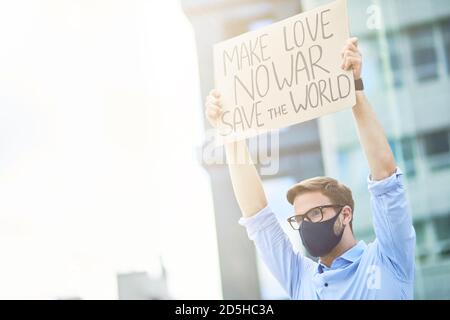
(314, 215)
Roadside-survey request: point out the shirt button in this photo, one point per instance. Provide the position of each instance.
(326, 284)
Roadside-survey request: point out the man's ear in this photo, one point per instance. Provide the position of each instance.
(347, 214)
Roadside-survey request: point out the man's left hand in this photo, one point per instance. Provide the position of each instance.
(352, 58)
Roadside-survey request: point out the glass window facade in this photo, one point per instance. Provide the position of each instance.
(436, 146)
(445, 32)
(423, 52)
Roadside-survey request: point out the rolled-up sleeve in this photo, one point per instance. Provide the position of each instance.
(275, 249)
(393, 224)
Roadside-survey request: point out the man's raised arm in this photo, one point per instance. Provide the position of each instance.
(247, 185)
(371, 135)
(395, 236)
(245, 179)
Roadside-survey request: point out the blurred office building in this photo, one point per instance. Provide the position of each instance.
(142, 286)
(406, 48)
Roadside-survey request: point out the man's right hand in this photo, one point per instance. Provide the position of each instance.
(213, 107)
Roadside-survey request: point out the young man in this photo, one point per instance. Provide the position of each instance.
(347, 269)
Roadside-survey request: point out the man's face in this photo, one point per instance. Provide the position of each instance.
(306, 201)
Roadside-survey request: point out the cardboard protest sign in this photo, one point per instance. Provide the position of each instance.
(285, 73)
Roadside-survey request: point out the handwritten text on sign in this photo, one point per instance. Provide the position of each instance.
(285, 73)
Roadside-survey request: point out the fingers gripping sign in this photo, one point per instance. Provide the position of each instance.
(352, 58)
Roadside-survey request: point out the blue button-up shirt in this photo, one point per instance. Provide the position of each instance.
(382, 269)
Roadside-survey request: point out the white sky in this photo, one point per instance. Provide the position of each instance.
(99, 121)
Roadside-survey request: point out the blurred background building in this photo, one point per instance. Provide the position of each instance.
(406, 48)
(140, 286)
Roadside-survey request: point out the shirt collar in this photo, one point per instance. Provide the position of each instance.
(351, 255)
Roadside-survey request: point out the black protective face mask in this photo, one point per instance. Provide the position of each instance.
(319, 237)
